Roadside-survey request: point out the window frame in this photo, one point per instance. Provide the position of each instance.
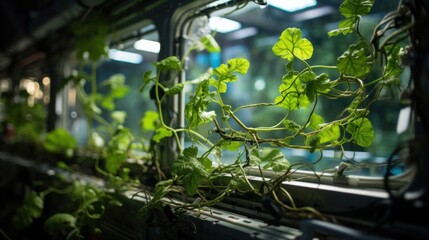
(359, 191)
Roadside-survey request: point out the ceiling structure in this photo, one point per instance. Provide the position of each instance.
(33, 29)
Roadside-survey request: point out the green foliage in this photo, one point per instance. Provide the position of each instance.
(362, 132)
(190, 169)
(90, 37)
(315, 121)
(117, 149)
(329, 133)
(28, 121)
(269, 158)
(96, 140)
(118, 116)
(351, 10)
(60, 224)
(292, 93)
(291, 45)
(393, 68)
(226, 72)
(113, 135)
(210, 44)
(300, 89)
(197, 170)
(82, 205)
(149, 121)
(176, 89)
(30, 210)
(117, 90)
(318, 84)
(162, 188)
(354, 8)
(162, 132)
(195, 109)
(147, 79)
(60, 141)
(229, 145)
(354, 62)
(169, 63)
(110, 134)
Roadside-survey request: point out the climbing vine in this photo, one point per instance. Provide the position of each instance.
(198, 171)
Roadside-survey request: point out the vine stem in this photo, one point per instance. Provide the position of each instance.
(377, 80)
(87, 204)
(254, 106)
(101, 120)
(302, 209)
(161, 119)
(55, 190)
(308, 119)
(97, 167)
(323, 66)
(238, 121)
(246, 179)
(72, 232)
(158, 101)
(4, 235)
(207, 203)
(93, 93)
(192, 132)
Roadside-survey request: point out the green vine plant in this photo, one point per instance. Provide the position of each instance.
(198, 170)
(22, 123)
(82, 205)
(198, 173)
(109, 144)
(108, 139)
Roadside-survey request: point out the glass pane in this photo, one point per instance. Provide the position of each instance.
(250, 31)
(123, 70)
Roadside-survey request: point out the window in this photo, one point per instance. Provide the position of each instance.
(245, 116)
(249, 31)
(130, 55)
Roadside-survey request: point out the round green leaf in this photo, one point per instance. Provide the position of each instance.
(291, 44)
(362, 131)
